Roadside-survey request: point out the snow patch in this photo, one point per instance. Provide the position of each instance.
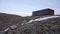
(42, 18)
(13, 26)
(6, 29)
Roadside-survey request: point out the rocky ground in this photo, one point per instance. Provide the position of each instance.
(48, 26)
(26, 25)
(7, 20)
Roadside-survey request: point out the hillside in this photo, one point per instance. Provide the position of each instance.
(39, 26)
(7, 19)
(30, 24)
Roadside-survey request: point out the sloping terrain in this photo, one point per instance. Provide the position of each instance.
(7, 19)
(42, 26)
(30, 24)
(33, 17)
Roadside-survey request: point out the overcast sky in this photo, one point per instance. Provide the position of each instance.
(26, 7)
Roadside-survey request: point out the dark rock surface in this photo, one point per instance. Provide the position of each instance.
(49, 26)
(7, 20)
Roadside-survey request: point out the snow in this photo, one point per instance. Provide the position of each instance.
(6, 29)
(13, 26)
(42, 18)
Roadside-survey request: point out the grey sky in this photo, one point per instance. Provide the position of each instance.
(26, 7)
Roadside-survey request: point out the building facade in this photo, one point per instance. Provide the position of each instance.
(43, 12)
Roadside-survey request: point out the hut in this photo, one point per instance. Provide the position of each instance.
(43, 12)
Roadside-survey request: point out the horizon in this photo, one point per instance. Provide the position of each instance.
(26, 7)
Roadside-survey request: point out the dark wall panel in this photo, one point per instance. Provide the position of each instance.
(43, 12)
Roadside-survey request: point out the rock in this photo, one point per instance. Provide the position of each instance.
(49, 26)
